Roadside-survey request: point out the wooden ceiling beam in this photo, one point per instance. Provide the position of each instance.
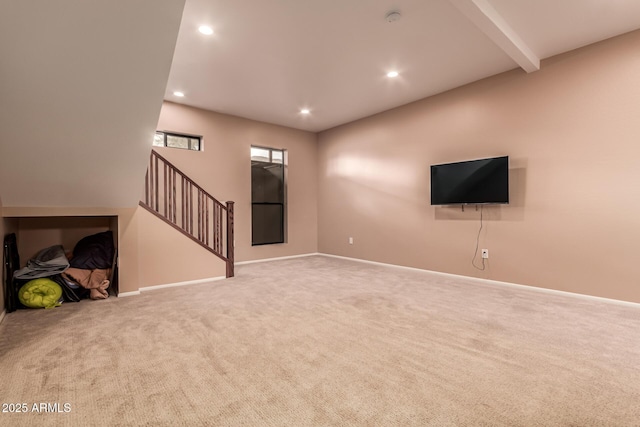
(489, 21)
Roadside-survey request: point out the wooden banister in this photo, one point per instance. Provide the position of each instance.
(187, 207)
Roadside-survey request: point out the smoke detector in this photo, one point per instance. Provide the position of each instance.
(392, 16)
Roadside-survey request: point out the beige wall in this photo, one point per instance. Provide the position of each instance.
(128, 250)
(168, 256)
(572, 133)
(224, 170)
(2, 233)
(76, 131)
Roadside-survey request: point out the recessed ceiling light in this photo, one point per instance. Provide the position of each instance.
(392, 74)
(178, 94)
(305, 111)
(205, 30)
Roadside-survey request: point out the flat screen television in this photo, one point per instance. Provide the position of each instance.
(484, 181)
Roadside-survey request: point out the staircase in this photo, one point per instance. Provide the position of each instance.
(177, 200)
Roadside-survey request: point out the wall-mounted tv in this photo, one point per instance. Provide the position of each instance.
(484, 181)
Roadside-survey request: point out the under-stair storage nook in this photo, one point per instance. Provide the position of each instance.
(34, 235)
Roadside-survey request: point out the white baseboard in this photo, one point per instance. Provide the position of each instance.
(276, 259)
(2, 315)
(128, 294)
(170, 285)
(187, 283)
(495, 282)
(456, 276)
(211, 279)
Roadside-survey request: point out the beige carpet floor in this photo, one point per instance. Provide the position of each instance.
(319, 341)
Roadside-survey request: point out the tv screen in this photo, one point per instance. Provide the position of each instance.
(481, 181)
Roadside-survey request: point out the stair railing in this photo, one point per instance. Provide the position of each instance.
(176, 199)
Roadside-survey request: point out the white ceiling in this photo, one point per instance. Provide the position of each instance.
(267, 59)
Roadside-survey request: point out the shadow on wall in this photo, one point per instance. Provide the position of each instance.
(37, 233)
(514, 211)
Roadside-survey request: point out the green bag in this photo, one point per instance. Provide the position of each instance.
(40, 293)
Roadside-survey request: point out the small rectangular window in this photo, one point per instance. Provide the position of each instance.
(158, 139)
(260, 154)
(276, 156)
(176, 140)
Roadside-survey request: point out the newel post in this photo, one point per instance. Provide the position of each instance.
(230, 240)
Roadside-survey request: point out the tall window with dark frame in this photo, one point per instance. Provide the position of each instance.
(267, 196)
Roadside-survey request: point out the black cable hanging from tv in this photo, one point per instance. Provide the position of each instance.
(475, 254)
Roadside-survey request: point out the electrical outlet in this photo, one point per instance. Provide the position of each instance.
(485, 253)
(351, 240)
